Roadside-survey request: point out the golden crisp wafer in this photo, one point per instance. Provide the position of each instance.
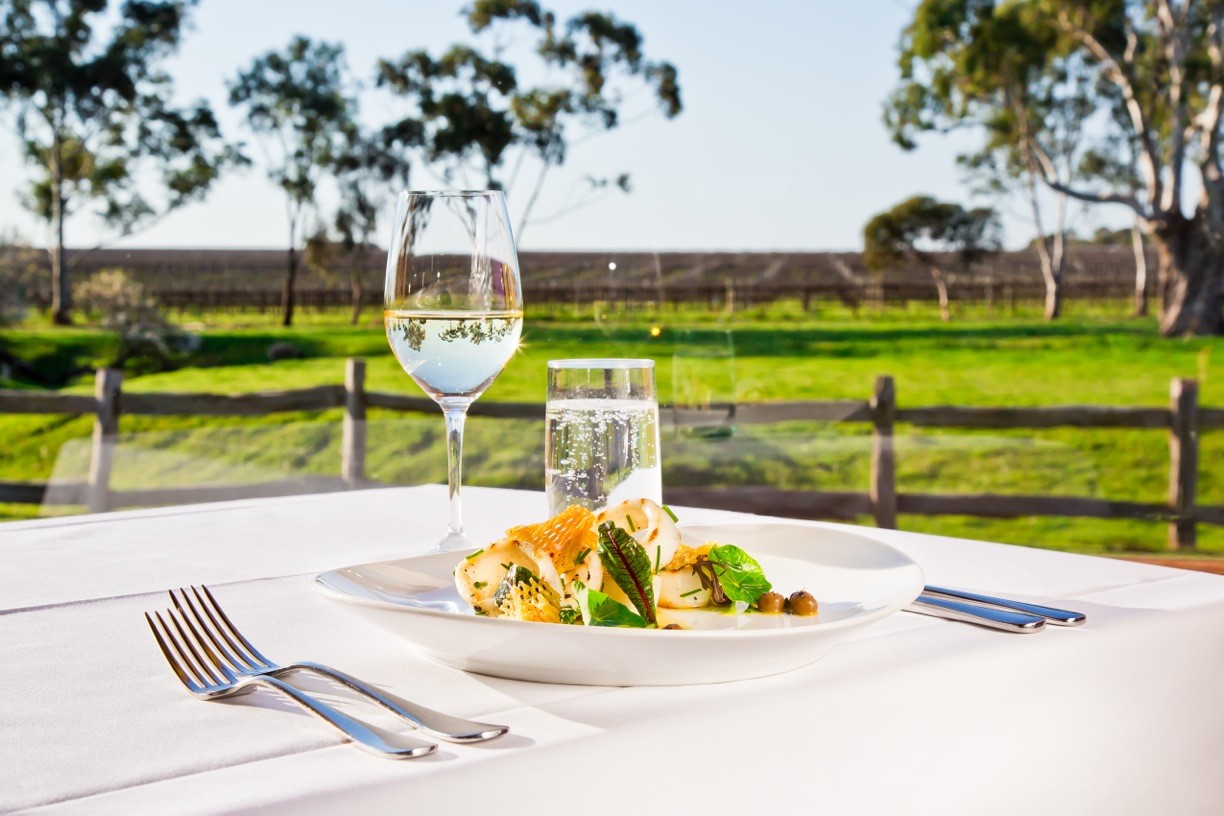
(562, 538)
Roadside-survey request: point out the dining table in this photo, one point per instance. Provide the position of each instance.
(908, 714)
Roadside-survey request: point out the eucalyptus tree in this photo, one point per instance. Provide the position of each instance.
(1156, 78)
(477, 120)
(301, 106)
(86, 86)
(921, 229)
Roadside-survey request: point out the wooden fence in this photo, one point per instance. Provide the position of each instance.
(1183, 420)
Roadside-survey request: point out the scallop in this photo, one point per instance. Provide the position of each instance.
(649, 524)
(681, 589)
(477, 576)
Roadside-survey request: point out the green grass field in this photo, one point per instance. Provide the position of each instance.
(1093, 356)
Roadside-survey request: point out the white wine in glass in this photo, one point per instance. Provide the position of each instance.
(453, 308)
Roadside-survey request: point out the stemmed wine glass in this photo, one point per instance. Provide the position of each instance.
(453, 308)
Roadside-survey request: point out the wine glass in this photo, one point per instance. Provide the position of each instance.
(453, 308)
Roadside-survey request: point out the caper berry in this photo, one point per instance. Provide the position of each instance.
(771, 602)
(802, 603)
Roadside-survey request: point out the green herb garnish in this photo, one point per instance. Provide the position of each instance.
(597, 609)
(626, 561)
(571, 615)
(473, 555)
(669, 512)
(691, 592)
(740, 576)
(518, 574)
(658, 555)
(480, 584)
(582, 556)
(631, 525)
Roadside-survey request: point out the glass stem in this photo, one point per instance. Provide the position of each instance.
(455, 412)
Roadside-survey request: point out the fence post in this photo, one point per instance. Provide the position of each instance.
(883, 454)
(107, 384)
(1183, 462)
(353, 438)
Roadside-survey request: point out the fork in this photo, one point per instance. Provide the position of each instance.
(212, 679)
(247, 661)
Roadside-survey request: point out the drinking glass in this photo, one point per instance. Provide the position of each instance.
(453, 308)
(601, 441)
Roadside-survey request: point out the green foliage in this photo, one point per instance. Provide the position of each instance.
(469, 111)
(920, 226)
(94, 112)
(738, 573)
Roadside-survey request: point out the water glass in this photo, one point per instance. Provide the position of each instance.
(601, 441)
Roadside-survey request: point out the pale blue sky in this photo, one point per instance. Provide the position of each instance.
(780, 146)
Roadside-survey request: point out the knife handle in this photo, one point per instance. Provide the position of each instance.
(1058, 617)
(983, 616)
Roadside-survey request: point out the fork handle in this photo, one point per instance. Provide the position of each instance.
(434, 723)
(351, 728)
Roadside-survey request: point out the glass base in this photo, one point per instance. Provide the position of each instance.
(452, 542)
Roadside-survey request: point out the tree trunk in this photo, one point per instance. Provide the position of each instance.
(945, 309)
(1054, 296)
(355, 288)
(287, 294)
(1141, 298)
(1192, 276)
(61, 291)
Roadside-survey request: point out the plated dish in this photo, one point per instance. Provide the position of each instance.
(856, 579)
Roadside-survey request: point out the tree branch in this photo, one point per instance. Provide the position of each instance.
(1115, 74)
(1049, 177)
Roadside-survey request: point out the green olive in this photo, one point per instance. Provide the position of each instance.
(771, 603)
(802, 603)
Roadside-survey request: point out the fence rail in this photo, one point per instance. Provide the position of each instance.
(1183, 420)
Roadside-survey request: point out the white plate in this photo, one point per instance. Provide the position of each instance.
(856, 580)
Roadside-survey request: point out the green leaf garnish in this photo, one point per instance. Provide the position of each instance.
(739, 574)
(630, 524)
(582, 556)
(669, 512)
(597, 609)
(571, 615)
(626, 561)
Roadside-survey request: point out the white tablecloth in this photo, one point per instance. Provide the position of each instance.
(912, 715)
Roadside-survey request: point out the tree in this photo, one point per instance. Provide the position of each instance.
(474, 118)
(299, 103)
(920, 229)
(1156, 71)
(92, 108)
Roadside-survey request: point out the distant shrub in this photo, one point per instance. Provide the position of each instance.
(18, 273)
(146, 339)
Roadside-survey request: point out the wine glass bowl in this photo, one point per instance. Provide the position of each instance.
(452, 307)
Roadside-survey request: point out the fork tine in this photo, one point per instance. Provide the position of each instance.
(204, 627)
(191, 647)
(234, 630)
(165, 650)
(227, 629)
(183, 661)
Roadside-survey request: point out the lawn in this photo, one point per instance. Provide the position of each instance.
(1094, 356)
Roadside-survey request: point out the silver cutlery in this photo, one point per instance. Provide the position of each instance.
(939, 607)
(1058, 617)
(208, 677)
(250, 662)
(987, 610)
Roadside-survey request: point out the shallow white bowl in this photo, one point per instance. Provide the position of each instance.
(855, 578)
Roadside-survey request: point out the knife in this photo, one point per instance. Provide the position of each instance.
(1058, 617)
(1008, 621)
